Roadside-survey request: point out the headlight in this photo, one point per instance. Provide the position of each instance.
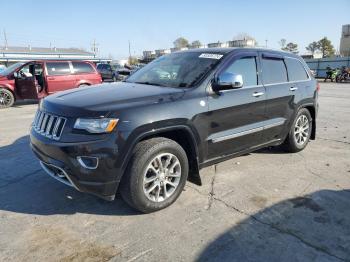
(101, 125)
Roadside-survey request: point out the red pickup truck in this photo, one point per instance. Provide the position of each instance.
(37, 79)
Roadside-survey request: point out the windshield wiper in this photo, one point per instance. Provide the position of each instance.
(148, 83)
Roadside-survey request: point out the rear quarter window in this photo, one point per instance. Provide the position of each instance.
(274, 71)
(296, 70)
(58, 68)
(82, 68)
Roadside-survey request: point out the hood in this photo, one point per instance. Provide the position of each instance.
(102, 99)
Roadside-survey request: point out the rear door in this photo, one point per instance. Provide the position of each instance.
(280, 96)
(59, 76)
(236, 116)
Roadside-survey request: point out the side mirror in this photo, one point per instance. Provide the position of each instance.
(227, 81)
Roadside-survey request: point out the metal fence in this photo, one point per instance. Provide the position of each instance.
(320, 65)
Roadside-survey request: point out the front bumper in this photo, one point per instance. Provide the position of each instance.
(60, 161)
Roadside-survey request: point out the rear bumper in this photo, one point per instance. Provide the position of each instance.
(60, 161)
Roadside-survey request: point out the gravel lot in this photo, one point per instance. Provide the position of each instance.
(265, 206)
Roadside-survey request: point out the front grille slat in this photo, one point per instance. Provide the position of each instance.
(49, 125)
(48, 128)
(43, 124)
(40, 121)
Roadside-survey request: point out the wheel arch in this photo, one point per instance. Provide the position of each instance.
(184, 137)
(312, 110)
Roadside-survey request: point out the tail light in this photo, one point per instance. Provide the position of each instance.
(318, 87)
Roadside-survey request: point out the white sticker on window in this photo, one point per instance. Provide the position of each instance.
(211, 56)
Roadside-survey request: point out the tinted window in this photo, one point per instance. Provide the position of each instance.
(82, 68)
(296, 71)
(100, 66)
(274, 71)
(245, 67)
(58, 68)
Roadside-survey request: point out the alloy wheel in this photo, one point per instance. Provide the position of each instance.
(301, 130)
(5, 99)
(162, 177)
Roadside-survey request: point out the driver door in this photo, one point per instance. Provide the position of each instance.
(25, 82)
(236, 116)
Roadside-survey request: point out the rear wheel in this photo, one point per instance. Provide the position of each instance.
(7, 99)
(156, 175)
(300, 132)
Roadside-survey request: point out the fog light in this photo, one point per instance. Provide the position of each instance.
(88, 162)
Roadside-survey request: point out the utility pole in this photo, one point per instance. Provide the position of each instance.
(266, 42)
(129, 53)
(5, 40)
(94, 47)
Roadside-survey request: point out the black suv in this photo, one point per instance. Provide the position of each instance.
(180, 113)
(107, 71)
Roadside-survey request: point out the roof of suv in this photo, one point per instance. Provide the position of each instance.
(226, 50)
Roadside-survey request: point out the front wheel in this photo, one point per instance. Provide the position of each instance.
(6, 98)
(300, 132)
(156, 175)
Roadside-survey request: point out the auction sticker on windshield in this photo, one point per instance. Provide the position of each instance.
(211, 56)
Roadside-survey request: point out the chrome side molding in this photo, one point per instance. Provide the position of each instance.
(247, 132)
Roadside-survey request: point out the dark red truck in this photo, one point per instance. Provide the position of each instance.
(37, 79)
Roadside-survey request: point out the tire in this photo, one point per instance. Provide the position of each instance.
(83, 85)
(144, 165)
(7, 99)
(297, 141)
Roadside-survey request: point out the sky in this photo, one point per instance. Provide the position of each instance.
(155, 24)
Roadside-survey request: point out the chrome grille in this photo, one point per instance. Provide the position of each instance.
(49, 125)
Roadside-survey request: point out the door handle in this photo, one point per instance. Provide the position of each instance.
(50, 78)
(257, 94)
(293, 88)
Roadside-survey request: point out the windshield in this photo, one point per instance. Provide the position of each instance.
(11, 68)
(176, 70)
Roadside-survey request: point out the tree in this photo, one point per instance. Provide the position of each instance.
(313, 47)
(181, 42)
(133, 60)
(282, 43)
(196, 44)
(326, 47)
(291, 47)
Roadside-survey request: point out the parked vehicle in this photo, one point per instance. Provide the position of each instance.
(331, 74)
(37, 79)
(344, 75)
(122, 73)
(107, 71)
(114, 72)
(149, 134)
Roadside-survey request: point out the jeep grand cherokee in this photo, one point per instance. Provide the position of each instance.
(184, 111)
